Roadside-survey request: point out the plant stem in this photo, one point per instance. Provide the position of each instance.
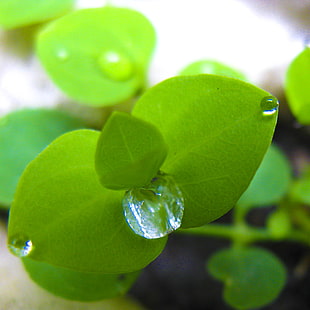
(250, 234)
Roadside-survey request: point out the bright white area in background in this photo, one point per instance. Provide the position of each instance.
(224, 30)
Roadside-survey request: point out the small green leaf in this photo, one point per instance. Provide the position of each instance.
(212, 67)
(297, 86)
(130, 152)
(279, 223)
(62, 215)
(217, 131)
(23, 135)
(300, 189)
(76, 285)
(16, 13)
(253, 277)
(98, 56)
(271, 181)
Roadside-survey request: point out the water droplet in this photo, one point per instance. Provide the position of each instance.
(154, 210)
(116, 66)
(269, 105)
(62, 54)
(4, 121)
(21, 246)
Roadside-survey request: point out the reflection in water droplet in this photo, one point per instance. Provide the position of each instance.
(154, 210)
(21, 247)
(269, 105)
(4, 120)
(116, 66)
(62, 54)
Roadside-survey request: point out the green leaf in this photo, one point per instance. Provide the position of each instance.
(129, 152)
(252, 277)
(297, 86)
(16, 13)
(300, 189)
(62, 215)
(279, 223)
(212, 67)
(98, 56)
(76, 285)
(271, 181)
(23, 135)
(218, 130)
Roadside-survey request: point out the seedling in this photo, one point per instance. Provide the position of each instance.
(93, 208)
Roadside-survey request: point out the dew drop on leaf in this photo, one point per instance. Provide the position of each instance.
(156, 209)
(116, 66)
(269, 105)
(20, 246)
(62, 54)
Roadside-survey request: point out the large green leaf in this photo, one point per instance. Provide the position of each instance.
(62, 215)
(17, 13)
(297, 86)
(217, 130)
(98, 56)
(129, 152)
(212, 67)
(23, 135)
(76, 285)
(253, 277)
(271, 181)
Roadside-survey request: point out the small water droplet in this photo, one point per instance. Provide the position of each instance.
(269, 105)
(154, 210)
(20, 246)
(62, 54)
(116, 66)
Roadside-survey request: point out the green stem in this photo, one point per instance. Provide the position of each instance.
(247, 234)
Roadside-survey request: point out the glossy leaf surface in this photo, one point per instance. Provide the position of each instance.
(78, 285)
(212, 67)
(271, 181)
(130, 152)
(253, 277)
(70, 219)
(98, 56)
(23, 135)
(297, 86)
(17, 13)
(211, 125)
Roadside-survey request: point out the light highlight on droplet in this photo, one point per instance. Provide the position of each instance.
(269, 105)
(62, 54)
(21, 247)
(154, 210)
(116, 66)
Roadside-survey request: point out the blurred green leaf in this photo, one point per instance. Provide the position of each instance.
(271, 181)
(16, 13)
(70, 220)
(76, 285)
(279, 223)
(98, 56)
(212, 67)
(297, 86)
(23, 135)
(217, 131)
(252, 277)
(300, 189)
(130, 152)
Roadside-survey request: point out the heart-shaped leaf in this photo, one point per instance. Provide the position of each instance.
(217, 130)
(62, 215)
(253, 277)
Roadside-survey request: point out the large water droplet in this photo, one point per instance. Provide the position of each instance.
(116, 66)
(269, 105)
(154, 210)
(21, 246)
